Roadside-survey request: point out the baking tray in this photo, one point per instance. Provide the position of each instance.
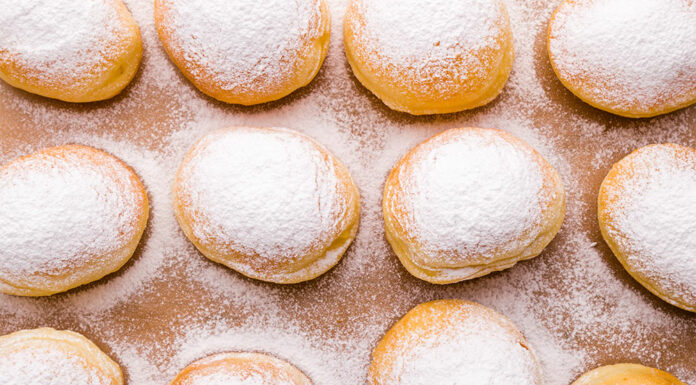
(169, 305)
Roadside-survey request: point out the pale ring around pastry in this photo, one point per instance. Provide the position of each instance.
(75, 51)
(633, 58)
(241, 369)
(627, 374)
(647, 215)
(69, 216)
(270, 203)
(445, 341)
(245, 51)
(430, 56)
(49, 356)
(468, 202)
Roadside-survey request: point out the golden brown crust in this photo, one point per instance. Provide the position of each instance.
(422, 264)
(305, 66)
(304, 268)
(627, 374)
(238, 366)
(429, 319)
(403, 89)
(108, 79)
(60, 281)
(73, 346)
(606, 216)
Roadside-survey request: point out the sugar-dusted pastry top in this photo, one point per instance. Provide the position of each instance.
(453, 342)
(647, 213)
(240, 369)
(627, 374)
(77, 51)
(269, 203)
(47, 356)
(470, 201)
(69, 215)
(245, 51)
(634, 58)
(434, 56)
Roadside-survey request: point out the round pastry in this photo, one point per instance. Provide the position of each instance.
(245, 51)
(269, 203)
(627, 374)
(443, 342)
(647, 214)
(69, 216)
(76, 51)
(634, 58)
(241, 369)
(48, 356)
(430, 56)
(468, 202)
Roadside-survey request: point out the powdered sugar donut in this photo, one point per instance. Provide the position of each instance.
(468, 202)
(270, 203)
(634, 58)
(76, 51)
(627, 374)
(453, 342)
(647, 214)
(241, 369)
(430, 56)
(48, 356)
(245, 51)
(69, 216)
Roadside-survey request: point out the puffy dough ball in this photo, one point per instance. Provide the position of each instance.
(468, 202)
(245, 51)
(634, 58)
(430, 56)
(241, 369)
(48, 356)
(647, 215)
(75, 51)
(269, 203)
(627, 374)
(443, 342)
(69, 216)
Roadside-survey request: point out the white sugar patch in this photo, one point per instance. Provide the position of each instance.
(474, 195)
(473, 348)
(654, 213)
(62, 213)
(265, 193)
(47, 366)
(242, 45)
(415, 32)
(442, 42)
(628, 54)
(58, 41)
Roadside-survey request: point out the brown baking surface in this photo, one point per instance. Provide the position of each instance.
(576, 304)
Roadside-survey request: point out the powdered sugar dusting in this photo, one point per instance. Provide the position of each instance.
(64, 210)
(441, 41)
(239, 369)
(170, 306)
(242, 45)
(269, 193)
(41, 365)
(228, 378)
(474, 348)
(474, 194)
(627, 54)
(434, 29)
(58, 42)
(654, 214)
